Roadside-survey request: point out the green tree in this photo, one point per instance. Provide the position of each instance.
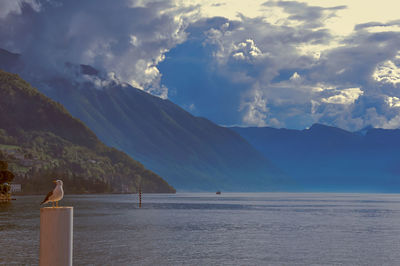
(3, 165)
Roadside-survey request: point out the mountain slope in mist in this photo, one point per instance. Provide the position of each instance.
(191, 153)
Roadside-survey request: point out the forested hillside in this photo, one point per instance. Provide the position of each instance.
(41, 141)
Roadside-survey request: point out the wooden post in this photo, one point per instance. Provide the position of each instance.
(56, 235)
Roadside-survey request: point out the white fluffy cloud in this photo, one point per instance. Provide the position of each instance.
(388, 71)
(246, 50)
(345, 96)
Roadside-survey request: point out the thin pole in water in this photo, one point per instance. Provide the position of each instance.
(140, 197)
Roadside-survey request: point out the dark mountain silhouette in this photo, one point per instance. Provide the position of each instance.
(325, 158)
(42, 141)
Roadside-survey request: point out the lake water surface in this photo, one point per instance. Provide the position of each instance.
(209, 229)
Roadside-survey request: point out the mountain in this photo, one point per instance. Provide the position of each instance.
(191, 153)
(42, 141)
(325, 158)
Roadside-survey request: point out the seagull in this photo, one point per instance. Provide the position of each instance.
(56, 195)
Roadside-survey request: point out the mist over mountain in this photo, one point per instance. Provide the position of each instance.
(191, 153)
(324, 158)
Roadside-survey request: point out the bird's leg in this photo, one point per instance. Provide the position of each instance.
(52, 204)
(57, 204)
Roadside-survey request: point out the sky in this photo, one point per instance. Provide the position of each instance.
(248, 63)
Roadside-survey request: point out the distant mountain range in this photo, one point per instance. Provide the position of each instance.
(190, 152)
(41, 142)
(324, 158)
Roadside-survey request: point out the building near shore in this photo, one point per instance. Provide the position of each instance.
(15, 188)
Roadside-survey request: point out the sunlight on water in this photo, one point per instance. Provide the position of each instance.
(207, 229)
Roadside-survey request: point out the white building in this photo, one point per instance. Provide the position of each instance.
(15, 187)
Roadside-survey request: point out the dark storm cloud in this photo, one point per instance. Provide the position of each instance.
(376, 24)
(355, 61)
(125, 37)
(247, 71)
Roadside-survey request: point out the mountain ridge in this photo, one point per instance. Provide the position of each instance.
(42, 140)
(166, 138)
(332, 159)
(192, 153)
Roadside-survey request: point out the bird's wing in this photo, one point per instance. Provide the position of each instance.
(47, 197)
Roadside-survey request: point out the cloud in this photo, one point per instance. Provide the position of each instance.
(393, 101)
(310, 16)
(295, 77)
(377, 25)
(218, 4)
(246, 50)
(344, 97)
(277, 77)
(388, 72)
(254, 108)
(128, 38)
(252, 53)
(287, 71)
(15, 7)
(368, 61)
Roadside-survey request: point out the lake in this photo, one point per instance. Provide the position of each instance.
(209, 229)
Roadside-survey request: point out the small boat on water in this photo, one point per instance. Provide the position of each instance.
(218, 192)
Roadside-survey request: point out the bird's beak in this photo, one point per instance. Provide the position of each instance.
(54, 181)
